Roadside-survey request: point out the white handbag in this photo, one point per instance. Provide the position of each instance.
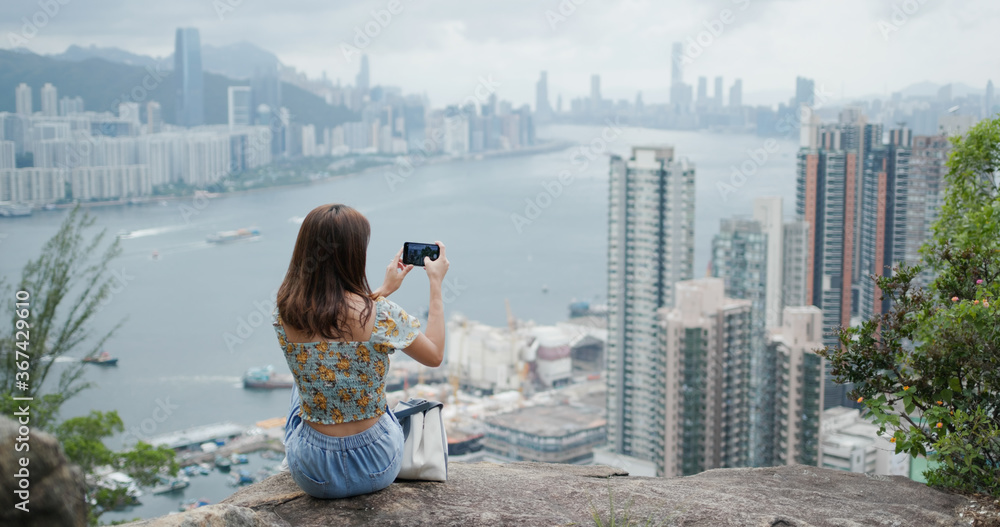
(425, 448)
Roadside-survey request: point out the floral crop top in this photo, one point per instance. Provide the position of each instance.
(341, 382)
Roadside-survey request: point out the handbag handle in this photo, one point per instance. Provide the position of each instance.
(415, 406)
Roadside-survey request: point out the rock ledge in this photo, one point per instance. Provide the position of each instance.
(486, 494)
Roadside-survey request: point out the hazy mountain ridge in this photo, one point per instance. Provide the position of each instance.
(237, 61)
(103, 83)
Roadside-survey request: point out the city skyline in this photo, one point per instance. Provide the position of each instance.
(629, 46)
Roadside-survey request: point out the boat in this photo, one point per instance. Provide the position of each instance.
(232, 236)
(156, 254)
(267, 379)
(170, 485)
(193, 504)
(223, 464)
(242, 477)
(104, 359)
(238, 459)
(11, 209)
(120, 480)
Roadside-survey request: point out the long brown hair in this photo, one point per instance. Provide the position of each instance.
(328, 262)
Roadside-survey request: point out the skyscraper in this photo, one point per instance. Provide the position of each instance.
(677, 63)
(265, 89)
(702, 90)
(718, 92)
(805, 90)
(988, 101)
(651, 248)
(50, 100)
(543, 110)
(700, 415)
(736, 94)
(595, 93)
(363, 80)
(240, 106)
(927, 170)
(22, 96)
(188, 77)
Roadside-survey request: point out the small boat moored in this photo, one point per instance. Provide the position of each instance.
(232, 236)
(267, 379)
(170, 485)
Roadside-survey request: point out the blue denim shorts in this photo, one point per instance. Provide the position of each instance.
(339, 467)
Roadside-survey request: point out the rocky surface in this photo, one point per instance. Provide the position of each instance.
(56, 488)
(485, 494)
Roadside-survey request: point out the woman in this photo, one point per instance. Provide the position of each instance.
(336, 334)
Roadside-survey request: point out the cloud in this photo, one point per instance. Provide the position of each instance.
(441, 47)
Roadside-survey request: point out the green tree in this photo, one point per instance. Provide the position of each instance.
(929, 369)
(83, 440)
(65, 287)
(57, 323)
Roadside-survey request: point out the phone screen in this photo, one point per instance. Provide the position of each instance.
(414, 253)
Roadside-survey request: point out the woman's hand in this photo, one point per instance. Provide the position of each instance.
(436, 269)
(394, 275)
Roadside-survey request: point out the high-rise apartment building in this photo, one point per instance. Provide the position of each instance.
(50, 100)
(887, 198)
(793, 399)
(240, 106)
(154, 117)
(795, 267)
(188, 77)
(701, 414)
(740, 257)
(769, 212)
(825, 199)
(70, 105)
(650, 249)
(22, 99)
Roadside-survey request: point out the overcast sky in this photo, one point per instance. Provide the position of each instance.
(442, 47)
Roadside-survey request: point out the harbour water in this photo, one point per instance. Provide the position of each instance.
(196, 316)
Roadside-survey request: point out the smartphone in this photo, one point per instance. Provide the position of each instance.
(414, 253)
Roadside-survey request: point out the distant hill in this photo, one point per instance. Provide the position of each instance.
(78, 53)
(237, 61)
(930, 89)
(101, 83)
